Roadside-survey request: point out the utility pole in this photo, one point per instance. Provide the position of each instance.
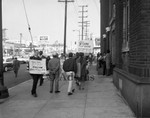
(3, 90)
(86, 27)
(65, 22)
(83, 16)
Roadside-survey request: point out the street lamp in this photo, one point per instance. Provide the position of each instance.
(79, 33)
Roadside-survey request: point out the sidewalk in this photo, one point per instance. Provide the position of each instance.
(100, 99)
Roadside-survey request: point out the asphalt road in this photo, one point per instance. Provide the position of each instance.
(10, 80)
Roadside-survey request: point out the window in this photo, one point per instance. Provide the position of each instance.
(126, 23)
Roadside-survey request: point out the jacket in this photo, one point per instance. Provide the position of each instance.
(70, 65)
(54, 66)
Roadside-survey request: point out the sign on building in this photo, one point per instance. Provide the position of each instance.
(85, 46)
(97, 42)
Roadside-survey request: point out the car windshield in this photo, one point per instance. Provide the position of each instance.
(7, 59)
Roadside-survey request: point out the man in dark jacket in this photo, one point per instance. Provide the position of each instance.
(70, 67)
(16, 66)
(35, 76)
(42, 57)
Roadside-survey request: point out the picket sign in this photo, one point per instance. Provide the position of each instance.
(37, 66)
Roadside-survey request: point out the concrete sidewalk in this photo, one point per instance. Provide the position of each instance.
(100, 99)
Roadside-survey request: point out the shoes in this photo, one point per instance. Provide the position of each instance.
(69, 93)
(57, 91)
(73, 90)
(51, 91)
(34, 94)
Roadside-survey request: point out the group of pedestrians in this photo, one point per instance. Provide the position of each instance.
(104, 63)
(74, 69)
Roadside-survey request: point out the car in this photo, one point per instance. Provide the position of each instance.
(23, 60)
(7, 63)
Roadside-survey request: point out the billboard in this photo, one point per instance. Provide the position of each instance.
(44, 39)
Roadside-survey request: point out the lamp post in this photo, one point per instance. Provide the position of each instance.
(3, 90)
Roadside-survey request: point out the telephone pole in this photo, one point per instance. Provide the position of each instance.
(65, 22)
(83, 16)
(87, 23)
(3, 90)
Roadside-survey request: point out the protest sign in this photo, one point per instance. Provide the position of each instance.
(37, 66)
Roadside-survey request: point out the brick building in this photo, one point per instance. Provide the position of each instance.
(125, 31)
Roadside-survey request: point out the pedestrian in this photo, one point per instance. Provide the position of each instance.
(83, 63)
(78, 73)
(16, 66)
(54, 72)
(35, 77)
(100, 60)
(90, 58)
(70, 67)
(104, 63)
(108, 62)
(42, 57)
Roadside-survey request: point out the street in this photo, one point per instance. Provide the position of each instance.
(10, 80)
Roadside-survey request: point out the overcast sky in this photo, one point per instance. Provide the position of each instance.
(46, 17)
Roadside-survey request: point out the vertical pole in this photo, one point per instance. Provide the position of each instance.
(1, 47)
(82, 20)
(65, 27)
(3, 90)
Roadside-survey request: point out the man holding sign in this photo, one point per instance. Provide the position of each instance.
(37, 67)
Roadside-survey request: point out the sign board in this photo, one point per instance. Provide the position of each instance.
(85, 46)
(97, 42)
(44, 40)
(37, 66)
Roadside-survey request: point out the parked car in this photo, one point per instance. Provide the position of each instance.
(7, 63)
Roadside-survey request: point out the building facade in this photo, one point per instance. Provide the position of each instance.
(125, 27)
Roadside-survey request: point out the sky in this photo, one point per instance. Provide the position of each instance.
(46, 18)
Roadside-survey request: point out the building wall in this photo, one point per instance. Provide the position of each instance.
(132, 57)
(104, 22)
(140, 38)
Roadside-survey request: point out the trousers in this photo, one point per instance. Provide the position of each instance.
(70, 78)
(54, 79)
